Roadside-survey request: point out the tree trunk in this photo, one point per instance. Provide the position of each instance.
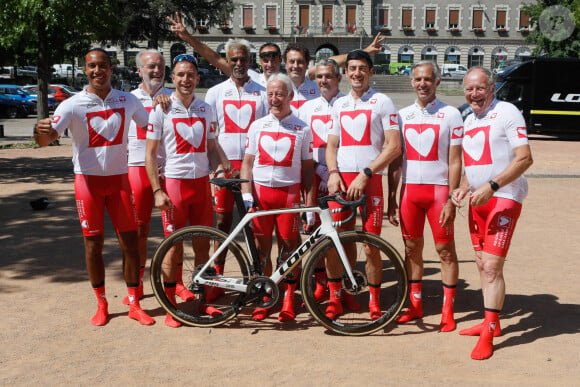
(43, 74)
(154, 42)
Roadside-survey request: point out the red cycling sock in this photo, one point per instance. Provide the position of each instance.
(375, 301)
(287, 313)
(101, 317)
(135, 311)
(484, 347)
(140, 289)
(334, 307)
(219, 268)
(321, 284)
(447, 320)
(476, 330)
(415, 310)
(170, 293)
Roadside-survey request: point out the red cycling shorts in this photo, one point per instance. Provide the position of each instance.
(191, 200)
(95, 193)
(492, 226)
(142, 193)
(224, 198)
(418, 201)
(269, 198)
(375, 203)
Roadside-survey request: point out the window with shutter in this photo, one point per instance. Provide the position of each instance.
(327, 15)
(430, 18)
(477, 18)
(271, 16)
(248, 13)
(453, 18)
(304, 15)
(407, 18)
(383, 17)
(500, 19)
(524, 20)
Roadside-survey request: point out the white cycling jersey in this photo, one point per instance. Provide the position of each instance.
(426, 135)
(488, 143)
(257, 77)
(307, 91)
(99, 130)
(279, 147)
(184, 132)
(317, 114)
(138, 134)
(235, 112)
(360, 126)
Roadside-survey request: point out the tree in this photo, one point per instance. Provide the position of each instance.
(52, 30)
(146, 19)
(559, 38)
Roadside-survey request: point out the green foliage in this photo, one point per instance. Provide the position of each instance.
(569, 47)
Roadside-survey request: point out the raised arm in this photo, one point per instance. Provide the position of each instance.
(202, 49)
(340, 59)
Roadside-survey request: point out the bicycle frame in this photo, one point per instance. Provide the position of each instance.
(326, 230)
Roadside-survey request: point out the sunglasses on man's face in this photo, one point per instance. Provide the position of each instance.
(269, 55)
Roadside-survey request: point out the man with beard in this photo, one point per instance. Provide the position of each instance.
(151, 68)
(238, 102)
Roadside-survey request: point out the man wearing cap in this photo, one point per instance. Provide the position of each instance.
(187, 133)
(363, 140)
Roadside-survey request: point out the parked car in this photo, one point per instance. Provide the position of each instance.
(15, 102)
(59, 92)
(33, 92)
(453, 70)
(62, 71)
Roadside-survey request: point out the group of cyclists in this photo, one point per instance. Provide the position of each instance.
(293, 136)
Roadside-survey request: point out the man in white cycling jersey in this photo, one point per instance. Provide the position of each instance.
(187, 133)
(496, 153)
(98, 119)
(238, 102)
(431, 133)
(363, 140)
(277, 161)
(151, 68)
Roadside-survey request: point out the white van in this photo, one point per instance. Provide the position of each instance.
(66, 71)
(453, 70)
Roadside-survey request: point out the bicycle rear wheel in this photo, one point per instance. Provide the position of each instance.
(393, 284)
(219, 304)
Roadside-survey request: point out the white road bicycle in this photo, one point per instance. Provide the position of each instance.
(245, 287)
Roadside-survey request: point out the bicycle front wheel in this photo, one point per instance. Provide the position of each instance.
(206, 306)
(375, 264)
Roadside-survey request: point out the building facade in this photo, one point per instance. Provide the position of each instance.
(486, 32)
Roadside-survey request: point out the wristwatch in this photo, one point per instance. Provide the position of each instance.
(494, 185)
(367, 171)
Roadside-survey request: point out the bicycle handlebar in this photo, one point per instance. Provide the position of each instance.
(352, 205)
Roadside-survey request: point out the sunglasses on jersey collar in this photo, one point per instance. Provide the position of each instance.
(185, 57)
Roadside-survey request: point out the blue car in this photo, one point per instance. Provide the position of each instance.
(32, 91)
(15, 102)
